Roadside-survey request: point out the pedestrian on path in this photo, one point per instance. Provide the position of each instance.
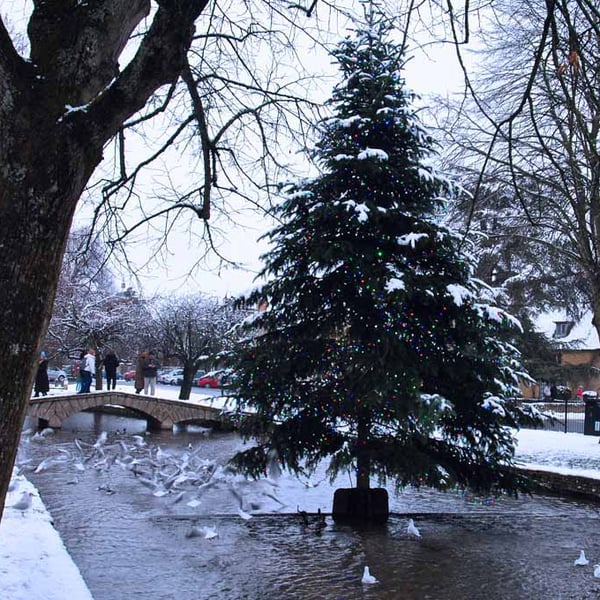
(89, 368)
(42, 385)
(150, 370)
(111, 362)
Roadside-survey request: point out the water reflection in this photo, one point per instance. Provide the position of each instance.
(130, 543)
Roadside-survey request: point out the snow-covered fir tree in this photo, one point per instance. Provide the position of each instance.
(377, 348)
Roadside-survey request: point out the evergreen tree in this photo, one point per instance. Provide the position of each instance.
(376, 348)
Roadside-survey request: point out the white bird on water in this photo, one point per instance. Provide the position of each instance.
(244, 514)
(194, 531)
(596, 570)
(210, 533)
(582, 561)
(412, 529)
(367, 577)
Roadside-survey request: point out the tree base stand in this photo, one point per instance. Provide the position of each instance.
(353, 504)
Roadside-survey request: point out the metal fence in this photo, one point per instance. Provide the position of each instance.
(566, 416)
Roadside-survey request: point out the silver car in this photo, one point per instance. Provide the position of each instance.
(56, 376)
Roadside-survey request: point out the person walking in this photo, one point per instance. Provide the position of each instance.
(139, 372)
(547, 394)
(89, 368)
(42, 385)
(111, 362)
(150, 370)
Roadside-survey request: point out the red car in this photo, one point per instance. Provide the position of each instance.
(129, 376)
(212, 379)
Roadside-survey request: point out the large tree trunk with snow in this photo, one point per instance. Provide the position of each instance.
(57, 111)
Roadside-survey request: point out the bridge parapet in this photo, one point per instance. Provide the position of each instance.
(163, 413)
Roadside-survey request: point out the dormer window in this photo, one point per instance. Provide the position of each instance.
(562, 329)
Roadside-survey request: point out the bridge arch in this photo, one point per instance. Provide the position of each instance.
(160, 413)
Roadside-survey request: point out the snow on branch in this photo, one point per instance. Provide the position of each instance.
(373, 153)
(410, 239)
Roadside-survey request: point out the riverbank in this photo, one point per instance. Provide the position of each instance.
(35, 565)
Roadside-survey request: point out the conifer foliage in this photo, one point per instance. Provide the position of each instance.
(377, 349)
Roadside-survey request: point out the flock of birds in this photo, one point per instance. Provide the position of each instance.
(582, 561)
(179, 476)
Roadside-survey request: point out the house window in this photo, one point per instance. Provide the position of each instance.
(562, 329)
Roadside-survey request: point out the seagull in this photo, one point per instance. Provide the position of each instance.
(24, 502)
(244, 514)
(210, 533)
(367, 577)
(412, 529)
(596, 570)
(101, 440)
(47, 462)
(195, 531)
(140, 442)
(582, 561)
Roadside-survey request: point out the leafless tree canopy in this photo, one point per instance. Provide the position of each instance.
(528, 133)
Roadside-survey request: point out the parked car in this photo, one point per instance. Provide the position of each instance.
(129, 375)
(163, 375)
(174, 377)
(212, 379)
(56, 376)
(228, 378)
(71, 371)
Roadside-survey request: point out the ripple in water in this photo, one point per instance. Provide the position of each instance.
(130, 544)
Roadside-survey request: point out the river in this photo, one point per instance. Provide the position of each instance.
(155, 516)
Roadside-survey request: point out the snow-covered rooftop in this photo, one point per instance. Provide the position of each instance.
(582, 336)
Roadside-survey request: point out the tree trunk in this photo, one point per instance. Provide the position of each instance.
(188, 378)
(57, 111)
(363, 460)
(34, 226)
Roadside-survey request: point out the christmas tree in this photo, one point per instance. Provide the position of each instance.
(377, 349)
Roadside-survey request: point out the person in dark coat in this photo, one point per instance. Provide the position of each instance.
(42, 385)
(139, 372)
(111, 362)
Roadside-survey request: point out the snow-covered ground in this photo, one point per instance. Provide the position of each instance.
(35, 565)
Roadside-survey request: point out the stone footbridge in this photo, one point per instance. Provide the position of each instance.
(160, 413)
